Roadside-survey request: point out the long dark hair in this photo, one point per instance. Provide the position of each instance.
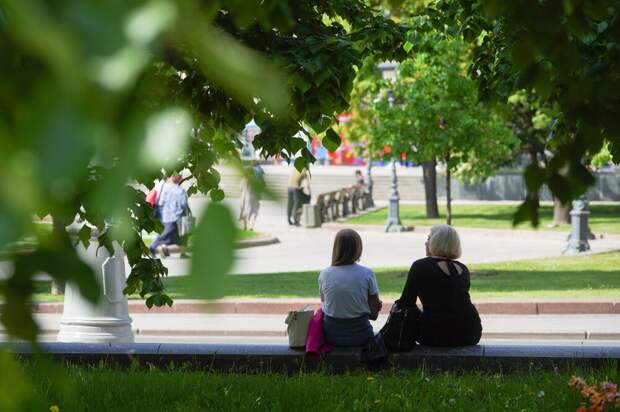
(347, 248)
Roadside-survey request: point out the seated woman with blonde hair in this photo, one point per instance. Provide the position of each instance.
(448, 317)
(349, 294)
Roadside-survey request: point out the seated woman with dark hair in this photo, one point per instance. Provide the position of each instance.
(448, 317)
(349, 294)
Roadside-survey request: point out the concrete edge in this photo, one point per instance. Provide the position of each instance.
(380, 227)
(273, 306)
(261, 240)
(256, 357)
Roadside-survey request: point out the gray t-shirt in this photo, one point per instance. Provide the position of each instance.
(345, 290)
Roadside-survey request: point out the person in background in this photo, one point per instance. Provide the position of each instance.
(295, 195)
(250, 197)
(170, 207)
(349, 294)
(359, 178)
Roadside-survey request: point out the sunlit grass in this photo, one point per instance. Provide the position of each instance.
(106, 389)
(575, 277)
(604, 219)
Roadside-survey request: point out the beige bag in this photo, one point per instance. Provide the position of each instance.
(297, 327)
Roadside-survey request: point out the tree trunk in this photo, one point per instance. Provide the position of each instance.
(448, 193)
(58, 226)
(430, 188)
(561, 212)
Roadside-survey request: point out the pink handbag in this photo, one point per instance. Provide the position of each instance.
(151, 197)
(315, 344)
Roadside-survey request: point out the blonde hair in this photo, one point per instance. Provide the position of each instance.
(444, 241)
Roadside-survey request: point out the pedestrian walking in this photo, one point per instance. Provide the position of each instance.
(250, 198)
(170, 207)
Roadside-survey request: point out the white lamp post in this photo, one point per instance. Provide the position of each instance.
(107, 320)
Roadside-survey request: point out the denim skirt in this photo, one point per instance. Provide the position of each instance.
(347, 332)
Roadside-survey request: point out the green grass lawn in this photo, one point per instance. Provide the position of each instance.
(46, 227)
(105, 389)
(603, 218)
(591, 276)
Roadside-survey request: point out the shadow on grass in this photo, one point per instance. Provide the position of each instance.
(391, 283)
(555, 277)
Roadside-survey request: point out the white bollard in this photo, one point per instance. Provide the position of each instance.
(108, 320)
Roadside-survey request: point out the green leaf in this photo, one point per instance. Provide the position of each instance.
(527, 211)
(534, 177)
(302, 84)
(331, 141)
(296, 144)
(105, 241)
(84, 236)
(241, 71)
(408, 46)
(214, 243)
(217, 195)
(301, 163)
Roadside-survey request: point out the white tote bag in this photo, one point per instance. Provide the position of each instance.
(297, 323)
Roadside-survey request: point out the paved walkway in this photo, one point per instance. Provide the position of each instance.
(209, 327)
(302, 249)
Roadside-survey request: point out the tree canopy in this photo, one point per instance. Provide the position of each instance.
(97, 98)
(434, 112)
(568, 53)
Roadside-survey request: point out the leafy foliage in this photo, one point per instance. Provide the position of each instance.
(435, 112)
(603, 157)
(568, 53)
(97, 99)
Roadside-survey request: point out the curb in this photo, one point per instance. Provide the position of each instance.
(256, 241)
(280, 358)
(275, 306)
(213, 333)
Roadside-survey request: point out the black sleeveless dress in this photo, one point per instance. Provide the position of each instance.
(448, 317)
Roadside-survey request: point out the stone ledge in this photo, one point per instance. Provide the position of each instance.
(228, 357)
(277, 306)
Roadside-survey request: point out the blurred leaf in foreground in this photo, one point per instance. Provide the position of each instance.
(214, 246)
(20, 394)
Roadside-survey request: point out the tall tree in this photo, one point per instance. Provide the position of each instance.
(533, 123)
(437, 115)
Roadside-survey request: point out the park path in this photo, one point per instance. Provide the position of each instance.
(302, 249)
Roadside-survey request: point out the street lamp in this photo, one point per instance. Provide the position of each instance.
(393, 224)
(369, 182)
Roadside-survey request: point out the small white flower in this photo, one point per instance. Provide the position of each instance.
(541, 394)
